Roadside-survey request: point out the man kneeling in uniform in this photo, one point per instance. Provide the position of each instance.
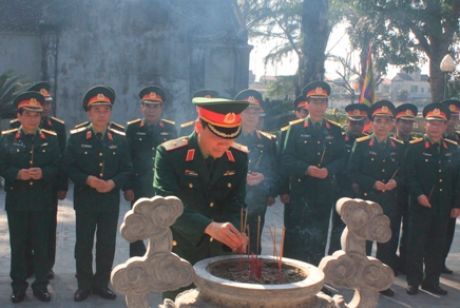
(207, 171)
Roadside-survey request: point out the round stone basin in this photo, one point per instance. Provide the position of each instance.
(224, 292)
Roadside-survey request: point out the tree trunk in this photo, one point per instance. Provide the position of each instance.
(315, 34)
(437, 78)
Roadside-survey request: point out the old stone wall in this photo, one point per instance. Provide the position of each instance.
(127, 44)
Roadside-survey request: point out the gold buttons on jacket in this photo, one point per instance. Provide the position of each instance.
(211, 204)
(190, 185)
(229, 185)
(100, 154)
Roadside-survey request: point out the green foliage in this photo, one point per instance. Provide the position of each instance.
(10, 86)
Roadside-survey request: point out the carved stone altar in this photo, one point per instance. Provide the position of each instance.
(161, 270)
(350, 267)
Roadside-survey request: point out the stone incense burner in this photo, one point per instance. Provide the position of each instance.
(161, 270)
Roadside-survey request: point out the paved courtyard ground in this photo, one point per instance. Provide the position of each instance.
(64, 284)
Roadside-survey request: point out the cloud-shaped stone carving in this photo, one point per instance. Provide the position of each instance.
(142, 275)
(150, 217)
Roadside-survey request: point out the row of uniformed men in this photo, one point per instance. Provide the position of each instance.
(317, 145)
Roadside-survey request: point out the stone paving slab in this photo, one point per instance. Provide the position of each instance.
(64, 285)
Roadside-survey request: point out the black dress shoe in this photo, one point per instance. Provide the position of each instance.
(446, 270)
(412, 290)
(42, 295)
(434, 289)
(104, 293)
(388, 292)
(50, 274)
(81, 295)
(18, 296)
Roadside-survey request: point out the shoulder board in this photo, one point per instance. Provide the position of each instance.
(267, 135)
(135, 121)
(168, 121)
(363, 138)
(49, 132)
(82, 124)
(397, 140)
(116, 131)
(58, 120)
(13, 121)
(117, 125)
(240, 147)
(334, 123)
(416, 140)
(78, 129)
(185, 124)
(451, 141)
(9, 131)
(458, 132)
(284, 128)
(175, 143)
(296, 121)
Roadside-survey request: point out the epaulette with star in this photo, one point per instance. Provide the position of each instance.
(80, 125)
(116, 125)
(240, 147)
(116, 131)
(9, 131)
(14, 121)
(78, 130)
(267, 135)
(416, 140)
(186, 124)
(397, 140)
(363, 138)
(168, 121)
(451, 141)
(175, 143)
(58, 120)
(293, 122)
(135, 121)
(49, 132)
(284, 128)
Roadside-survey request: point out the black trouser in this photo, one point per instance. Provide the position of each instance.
(450, 236)
(51, 243)
(307, 221)
(403, 202)
(104, 226)
(386, 252)
(425, 244)
(25, 227)
(137, 248)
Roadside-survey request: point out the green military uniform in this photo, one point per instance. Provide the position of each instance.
(143, 139)
(211, 189)
(262, 159)
(283, 177)
(356, 113)
(58, 126)
(372, 161)
(307, 216)
(454, 108)
(432, 170)
(404, 112)
(29, 203)
(106, 157)
(112, 125)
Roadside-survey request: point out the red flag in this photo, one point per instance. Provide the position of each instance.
(367, 95)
